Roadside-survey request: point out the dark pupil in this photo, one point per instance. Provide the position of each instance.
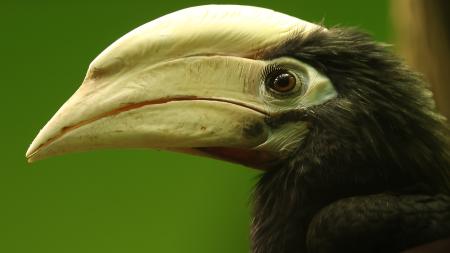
(284, 82)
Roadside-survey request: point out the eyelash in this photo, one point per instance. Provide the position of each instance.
(270, 69)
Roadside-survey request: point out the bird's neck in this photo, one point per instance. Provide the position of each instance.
(286, 200)
(282, 211)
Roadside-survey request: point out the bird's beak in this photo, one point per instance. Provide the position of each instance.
(188, 81)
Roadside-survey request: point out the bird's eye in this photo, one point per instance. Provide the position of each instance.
(281, 81)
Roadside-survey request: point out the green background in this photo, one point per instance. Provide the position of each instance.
(126, 200)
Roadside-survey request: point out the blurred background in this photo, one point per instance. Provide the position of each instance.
(143, 200)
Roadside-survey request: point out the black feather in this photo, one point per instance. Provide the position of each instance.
(380, 136)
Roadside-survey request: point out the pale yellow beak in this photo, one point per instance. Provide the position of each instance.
(187, 81)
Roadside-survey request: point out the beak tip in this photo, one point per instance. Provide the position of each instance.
(29, 156)
(33, 157)
(32, 151)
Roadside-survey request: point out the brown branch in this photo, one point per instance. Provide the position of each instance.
(423, 38)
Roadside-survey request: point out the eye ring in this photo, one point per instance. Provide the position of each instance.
(281, 81)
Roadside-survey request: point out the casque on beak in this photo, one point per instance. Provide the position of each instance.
(188, 81)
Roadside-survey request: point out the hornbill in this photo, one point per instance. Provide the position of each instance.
(355, 157)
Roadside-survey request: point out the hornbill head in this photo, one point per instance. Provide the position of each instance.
(327, 113)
